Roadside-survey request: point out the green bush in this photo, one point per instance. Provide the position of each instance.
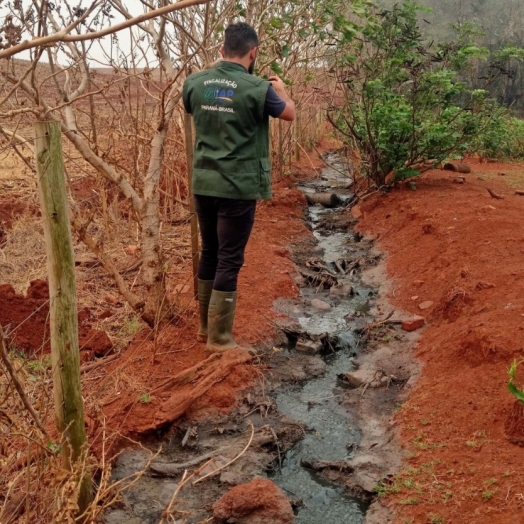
(404, 104)
(503, 139)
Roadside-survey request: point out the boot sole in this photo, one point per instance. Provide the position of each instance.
(219, 349)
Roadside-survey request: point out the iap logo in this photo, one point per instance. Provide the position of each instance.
(218, 95)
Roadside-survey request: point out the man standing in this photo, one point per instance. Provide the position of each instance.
(231, 170)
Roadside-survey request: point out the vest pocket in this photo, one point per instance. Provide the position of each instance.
(265, 175)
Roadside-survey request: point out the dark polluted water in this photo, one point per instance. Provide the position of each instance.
(331, 434)
(329, 437)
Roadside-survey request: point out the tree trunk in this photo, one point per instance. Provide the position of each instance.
(69, 411)
(157, 306)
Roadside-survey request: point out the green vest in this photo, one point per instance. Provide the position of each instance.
(231, 156)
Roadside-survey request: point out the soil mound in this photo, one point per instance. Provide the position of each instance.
(26, 318)
(455, 246)
(257, 502)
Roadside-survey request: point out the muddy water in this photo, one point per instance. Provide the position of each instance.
(332, 433)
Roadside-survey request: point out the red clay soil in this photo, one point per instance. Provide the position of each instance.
(25, 320)
(459, 248)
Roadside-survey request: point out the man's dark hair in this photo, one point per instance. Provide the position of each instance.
(239, 40)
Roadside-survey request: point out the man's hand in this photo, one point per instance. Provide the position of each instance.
(280, 88)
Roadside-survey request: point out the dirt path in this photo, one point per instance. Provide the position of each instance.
(461, 251)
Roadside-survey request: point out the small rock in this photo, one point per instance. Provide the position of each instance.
(315, 367)
(309, 347)
(413, 323)
(320, 304)
(425, 305)
(519, 192)
(361, 377)
(281, 252)
(390, 177)
(484, 285)
(131, 250)
(415, 298)
(418, 282)
(356, 212)
(502, 174)
(459, 180)
(350, 381)
(341, 291)
(111, 299)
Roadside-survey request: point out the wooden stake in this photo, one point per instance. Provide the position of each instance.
(69, 410)
(188, 130)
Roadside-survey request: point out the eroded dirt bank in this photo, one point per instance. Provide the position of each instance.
(460, 251)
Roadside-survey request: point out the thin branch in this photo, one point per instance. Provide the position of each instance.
(18, 386)
(232, 460)
(64, 36)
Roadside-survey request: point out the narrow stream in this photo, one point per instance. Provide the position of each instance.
(332, 434)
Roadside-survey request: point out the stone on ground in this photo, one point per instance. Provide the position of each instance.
(413, 323)
(320, 304)
(425, 305)
(257, 502)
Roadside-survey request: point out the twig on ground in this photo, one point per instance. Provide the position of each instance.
(168, 511)
(374, 325)
(493, 194)
(231, 461)
(308, 157)
(89, 367)
(172, 470)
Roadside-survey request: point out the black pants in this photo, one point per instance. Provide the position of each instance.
(225, 226)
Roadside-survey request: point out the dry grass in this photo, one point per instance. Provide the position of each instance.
(513, 175)
(22, 257)
(34, 487)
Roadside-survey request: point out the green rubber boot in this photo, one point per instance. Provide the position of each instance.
(221, 314)
(205, 287)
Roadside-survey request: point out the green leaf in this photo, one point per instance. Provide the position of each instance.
(406, 172)
(277, 23)
(516, 391)
(53, 447)
(276, 68)
(286, 50)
